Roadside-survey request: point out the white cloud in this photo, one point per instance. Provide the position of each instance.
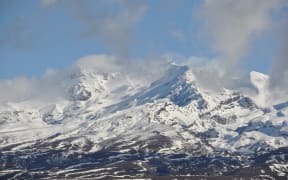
(99, 63)
(55, 85)
(231, 25)
(16, 89)
(16, 34)
(48, 3)
(112, 21)
(279, 72)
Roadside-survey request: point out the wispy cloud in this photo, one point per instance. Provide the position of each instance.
(55, 85)
(112, 21)
(279, 72)
(48, 3)
(231, 25)
(46, 88)
(178, 35)
(15, 34)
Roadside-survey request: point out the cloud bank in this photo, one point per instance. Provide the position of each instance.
(47, 88)
(55, 85)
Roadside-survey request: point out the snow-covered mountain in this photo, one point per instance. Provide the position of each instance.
(113, 125)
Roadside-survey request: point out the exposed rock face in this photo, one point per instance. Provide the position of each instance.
(80, 93)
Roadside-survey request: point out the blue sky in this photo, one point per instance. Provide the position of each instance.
(36, 37)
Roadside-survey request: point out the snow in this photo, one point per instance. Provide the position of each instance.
(280, 169)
